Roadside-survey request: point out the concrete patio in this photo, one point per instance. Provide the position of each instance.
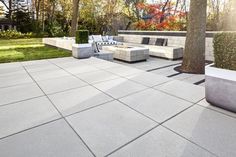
(91, 107)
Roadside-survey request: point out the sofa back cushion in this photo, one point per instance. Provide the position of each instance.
(145, 40)
(97, 38)
(161, 42)
(152, 41)
(105, 38)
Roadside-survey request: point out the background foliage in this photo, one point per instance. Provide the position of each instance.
(53, 17)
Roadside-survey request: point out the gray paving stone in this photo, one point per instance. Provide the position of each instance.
(119, 87)
(26, 114)
(209, 129)
(35, 62)
(62, 60)
(16, 79)
(18, 93)
(70, 64)
(195, 78)
(75, 100)
(80, 69)
(11, 71)
(187, 91)
(204, 103)
(40, 67)
(182, 76)
(48, 74)
(109, 126)
(106, 65)
(55, 139)
(156, 105)
(161, 142)
(60, 84)
(97, 76)
(10, 65)
(124, 71)
(149, 79)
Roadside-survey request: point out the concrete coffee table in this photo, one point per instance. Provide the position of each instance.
(128, 53)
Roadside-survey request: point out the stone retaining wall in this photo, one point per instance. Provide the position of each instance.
(176, 38)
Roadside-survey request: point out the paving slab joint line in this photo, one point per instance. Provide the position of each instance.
(190, 141)
(62, 115)
(16, 85)
(183, 136)
(154, 69)
(11, 103)
(174, 95)
(146, 132)
(159, 124)
(215, 110)
(31, 128)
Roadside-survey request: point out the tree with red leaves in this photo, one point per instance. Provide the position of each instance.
(162, 16)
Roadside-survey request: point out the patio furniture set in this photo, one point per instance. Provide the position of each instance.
(133, 50)
(126, 49)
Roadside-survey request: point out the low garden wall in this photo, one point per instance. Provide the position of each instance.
(175, 38)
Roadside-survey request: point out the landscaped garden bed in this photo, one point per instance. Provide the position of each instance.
(28, 49)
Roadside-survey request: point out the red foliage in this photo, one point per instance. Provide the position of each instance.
(161, 17)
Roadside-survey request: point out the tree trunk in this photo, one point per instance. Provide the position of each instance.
(74, 21)
(194, 55)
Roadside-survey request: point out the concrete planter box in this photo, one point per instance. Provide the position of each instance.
(81, 51)
(221, 87)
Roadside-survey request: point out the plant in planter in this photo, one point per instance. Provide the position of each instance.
(82, 49)
(221, 76)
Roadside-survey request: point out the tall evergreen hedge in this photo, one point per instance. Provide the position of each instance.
(225, 50)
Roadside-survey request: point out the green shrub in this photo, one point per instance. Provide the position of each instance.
(81, 36)
(13, 34)
(225, 50)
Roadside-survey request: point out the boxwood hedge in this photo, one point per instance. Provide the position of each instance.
(82, 36)
(225, 50)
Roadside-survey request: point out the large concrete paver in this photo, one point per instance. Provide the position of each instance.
(19, 93)
(209, 129)
(60, 84)
(155, 104)
(187, 91)
(80, 69)
(97, 76)
(161, 142)
(26, 114)
(75, 100)
(120, 87)
(109, 126)
(55, 139)
(40, 67)
(48, 74)
(15, 79)
(124, 71)
(204, 103)
(149, 79)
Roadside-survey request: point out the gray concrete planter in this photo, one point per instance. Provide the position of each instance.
(221, 87)
(81, 51)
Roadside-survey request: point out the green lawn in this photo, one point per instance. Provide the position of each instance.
(28, 49)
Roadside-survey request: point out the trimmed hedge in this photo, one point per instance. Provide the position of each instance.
(82, 36)
(13, 34)
(225, 50)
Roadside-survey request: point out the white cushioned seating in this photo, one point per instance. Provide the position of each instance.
(97, 38)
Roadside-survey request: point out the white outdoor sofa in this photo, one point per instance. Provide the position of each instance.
(157, 47)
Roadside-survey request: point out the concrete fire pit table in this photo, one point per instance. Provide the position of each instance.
(128, 53)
